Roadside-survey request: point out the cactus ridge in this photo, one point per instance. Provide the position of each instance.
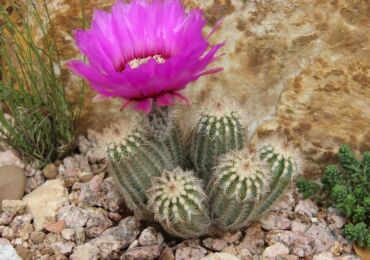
(174, 145)
(178, 202)
(213, 137)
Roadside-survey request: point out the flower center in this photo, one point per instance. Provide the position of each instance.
(135, 63)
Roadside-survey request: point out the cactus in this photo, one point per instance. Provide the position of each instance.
(238, 184)
(160, 122)
(284, 161)
(174, 145)
(133, 160)
(146, 159)
(218, 131)
(178, 202)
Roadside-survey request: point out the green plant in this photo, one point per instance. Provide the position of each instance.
(347, 188)
(229, 187)
(217, 131)
(179, 203)
(35, 117)
(237, 186)
(134, 159)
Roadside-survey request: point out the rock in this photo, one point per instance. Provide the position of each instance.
(98, 222)
(232, 237)
(8, 233)
(44, 202)
(148, 237)
(307, 207)
(86, 251)
(70, 176)
(51, 238)
(336, 249)
(12, 182)
(214, 244)
(304, 246)
(142, 253)
(65, 248)
(5, 218)
(7, 252)
(91, 192)
(254, 239)
(275, 250)
(39, 179)
(167, 254)
(70, 163)
(73, 216)
(285, 203)
(324, 240)
(56, 227)
(114, 216)
(287, 257)
(112, 199)
(220, 256)
(117, 238)
(13, 207)
(37, 237)
(68, 234)
(285, 237)
(24, 253)
(274, 221)
(349, 257)
(324, 256)
(85, 176)
(190, 253)
(337, 221)
(50, 171)
(245, 254)
(8, 158)
(80, 236)
(231, 250)
(22, 225)
(298, 226)
(83, 162)
(134, 244)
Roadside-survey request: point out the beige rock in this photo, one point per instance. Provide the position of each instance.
(24, 253)
(37, 237)
(50, 171)
(43, 203)
(275, 250)
(12, 182)
(13, 206)
(220, 256)
(86, 251)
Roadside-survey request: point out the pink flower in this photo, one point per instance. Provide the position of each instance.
(145, 52)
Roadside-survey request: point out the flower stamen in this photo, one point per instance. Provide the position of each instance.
(135, 63)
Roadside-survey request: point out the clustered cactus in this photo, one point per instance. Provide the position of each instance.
(204, 183)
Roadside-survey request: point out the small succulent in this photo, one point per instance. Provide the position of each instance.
(347, 188)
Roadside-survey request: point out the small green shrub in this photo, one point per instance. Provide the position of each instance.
(35, 117)
(347, 188)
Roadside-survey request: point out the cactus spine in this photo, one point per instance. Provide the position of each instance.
(214, 136)
(283, 161)
(178, 202)
(239, 182)
(133, 160)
